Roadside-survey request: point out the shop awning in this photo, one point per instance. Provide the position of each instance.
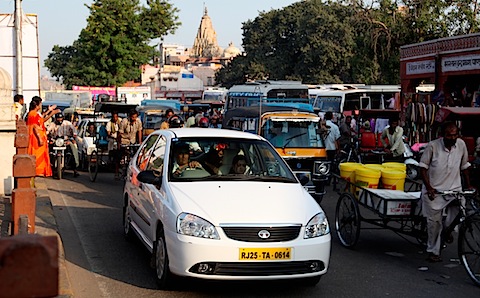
(456, 113)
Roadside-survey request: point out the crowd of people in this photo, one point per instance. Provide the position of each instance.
(443, 164)
(43, 131)
(199, 118)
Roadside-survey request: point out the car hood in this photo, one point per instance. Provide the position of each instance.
(246, 202)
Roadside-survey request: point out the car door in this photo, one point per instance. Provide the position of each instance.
(153, 196)
(135, 188)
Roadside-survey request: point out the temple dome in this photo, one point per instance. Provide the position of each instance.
(231, 51)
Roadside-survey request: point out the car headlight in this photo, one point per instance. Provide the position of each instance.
(59, 142)
(317, 226)
(321, 168)
(192, 225)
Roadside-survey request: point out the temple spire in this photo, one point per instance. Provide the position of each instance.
(205, 44)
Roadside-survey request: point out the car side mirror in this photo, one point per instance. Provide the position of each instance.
(150, 177)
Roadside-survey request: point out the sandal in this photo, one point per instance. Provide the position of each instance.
(432, 258)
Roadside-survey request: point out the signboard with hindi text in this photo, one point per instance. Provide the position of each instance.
(461, 63)
(420, 67)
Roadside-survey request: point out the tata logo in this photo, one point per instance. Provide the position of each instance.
(293, 153)
(264, 234)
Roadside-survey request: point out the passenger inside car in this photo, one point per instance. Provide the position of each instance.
(239, 165)
(214, 158)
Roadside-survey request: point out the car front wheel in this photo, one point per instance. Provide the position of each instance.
(164, 276)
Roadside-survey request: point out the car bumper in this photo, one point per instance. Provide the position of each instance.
(309, 257)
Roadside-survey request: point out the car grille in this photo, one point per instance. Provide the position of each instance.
(250, 234)
(263, 268)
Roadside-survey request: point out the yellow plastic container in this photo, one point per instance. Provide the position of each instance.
(393, 179)
(367, 177)
(395, 165)
(374, 166)
(347, 170)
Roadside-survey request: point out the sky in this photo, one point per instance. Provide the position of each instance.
(60, 21)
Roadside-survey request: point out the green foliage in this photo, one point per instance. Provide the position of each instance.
(350, 41)
(115, 43)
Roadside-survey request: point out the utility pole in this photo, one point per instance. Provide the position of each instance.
(18, 47)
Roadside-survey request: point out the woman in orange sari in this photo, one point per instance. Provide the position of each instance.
(37, 143)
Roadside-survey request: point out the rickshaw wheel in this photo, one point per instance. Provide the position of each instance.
(93, 165)
(347, 220)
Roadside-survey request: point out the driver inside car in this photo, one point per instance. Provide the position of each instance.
(182, 161)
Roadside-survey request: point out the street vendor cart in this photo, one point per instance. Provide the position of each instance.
(400, 212)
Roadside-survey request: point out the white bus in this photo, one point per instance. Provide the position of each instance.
(214, 94)
(357, 98)
(268, 92)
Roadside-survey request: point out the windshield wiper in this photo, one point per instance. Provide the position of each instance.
(288, 140)
(241, 177)
(269, 179)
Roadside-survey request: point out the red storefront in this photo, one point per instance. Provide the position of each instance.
(452, 64)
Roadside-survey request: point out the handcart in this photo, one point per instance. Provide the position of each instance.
(400, 211)
(394, 209)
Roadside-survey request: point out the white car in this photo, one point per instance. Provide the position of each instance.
(250, 221)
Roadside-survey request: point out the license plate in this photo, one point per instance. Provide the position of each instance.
(265, 254)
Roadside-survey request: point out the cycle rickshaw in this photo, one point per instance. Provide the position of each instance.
(400, 212)
(98, 155)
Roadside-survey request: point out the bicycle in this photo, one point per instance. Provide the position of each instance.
(127, 152)
(349, 153)
(468, 220)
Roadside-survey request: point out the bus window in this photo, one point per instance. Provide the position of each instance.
(365, 103)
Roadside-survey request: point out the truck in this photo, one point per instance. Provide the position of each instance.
(295, 135)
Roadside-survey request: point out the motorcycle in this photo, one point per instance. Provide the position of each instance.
(61, 156)
(412, 157)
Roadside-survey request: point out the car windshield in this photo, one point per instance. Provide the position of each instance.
(299, 133)
(151, 119)
(226, 159)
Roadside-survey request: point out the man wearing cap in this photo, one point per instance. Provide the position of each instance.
(182, 160)
(64, 128)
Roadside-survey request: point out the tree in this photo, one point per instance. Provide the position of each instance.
(304, 41)
(114, 44)
(349, 41)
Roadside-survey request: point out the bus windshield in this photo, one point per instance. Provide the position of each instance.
(214, 96)
(328, 103)
(298, 133)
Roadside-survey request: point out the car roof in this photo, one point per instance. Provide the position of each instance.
(212, 132)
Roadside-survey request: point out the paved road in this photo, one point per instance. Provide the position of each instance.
(101, 263)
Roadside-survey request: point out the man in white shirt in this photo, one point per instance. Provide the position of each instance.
(332, 144)
(395, 147)
(19, 105)
(441, 166)
(182, 160)
(64, 128)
